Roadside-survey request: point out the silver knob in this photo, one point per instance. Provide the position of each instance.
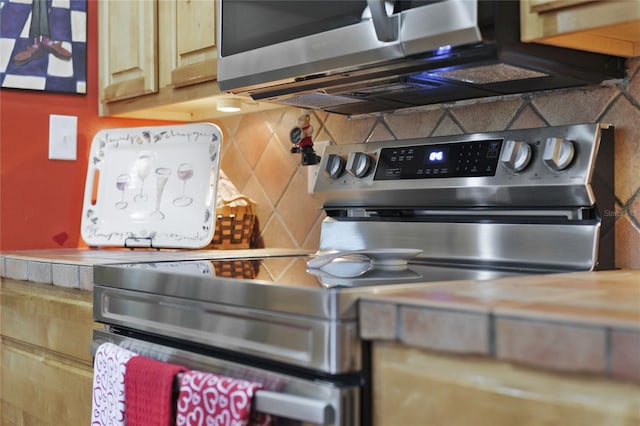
(516, 155)
(335, 166)
(358, 164)
(558, 153)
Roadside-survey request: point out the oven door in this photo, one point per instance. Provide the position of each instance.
(288, 399)
(265, 42)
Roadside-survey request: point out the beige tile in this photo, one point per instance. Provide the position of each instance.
(447, 127)
(625, 117)
(604, 299)
(474, 118)
(274, 170)
(231, 124)
(236, 167)
(252, 137)
(273, 117)
(575, 105)
(312, 241)
(299, 216)
(444, 330)
(86, 277)
(264, 206)
(550, 345)
(633, 65)
(527, 119)
(344, 130)
(380, 133)
(633, 89)
(296, 275)
(625, 354)
(275, 234)
(274, 268)
(627, 244)
(66, 275)
(16, 269)
(39, 272)
(377, 320)
(415, 125)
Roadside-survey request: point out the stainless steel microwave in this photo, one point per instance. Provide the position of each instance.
(363, 56)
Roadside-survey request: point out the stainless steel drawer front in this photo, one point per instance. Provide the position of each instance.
(331, 347)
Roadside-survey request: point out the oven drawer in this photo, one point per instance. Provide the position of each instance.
(328, 346)
(285, 398)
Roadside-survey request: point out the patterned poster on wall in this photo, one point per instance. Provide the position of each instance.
(43, 45)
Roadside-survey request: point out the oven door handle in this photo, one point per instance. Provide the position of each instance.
(294, 407)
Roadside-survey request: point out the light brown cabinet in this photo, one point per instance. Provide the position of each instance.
(46, 371)
(157, 59)
(602, 26)
(412, 386)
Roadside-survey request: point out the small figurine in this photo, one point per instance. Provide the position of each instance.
(301, 139)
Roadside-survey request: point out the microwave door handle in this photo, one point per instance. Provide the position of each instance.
(386, 26)
(294, 407)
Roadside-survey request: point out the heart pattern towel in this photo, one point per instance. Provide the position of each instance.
(149, 387)
(213, 400)
(109, 369)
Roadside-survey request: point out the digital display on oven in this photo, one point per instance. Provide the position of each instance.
(437, 156)
(456, 159)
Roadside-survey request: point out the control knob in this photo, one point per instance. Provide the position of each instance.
(335, 166)
(358, 164)
(516, 155)
(558, 153)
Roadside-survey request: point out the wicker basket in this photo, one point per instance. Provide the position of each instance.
(235, 224)
(236, 268)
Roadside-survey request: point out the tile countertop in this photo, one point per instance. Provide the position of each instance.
(73, 268)
(583, 322)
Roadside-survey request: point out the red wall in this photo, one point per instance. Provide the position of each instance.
(41, 199)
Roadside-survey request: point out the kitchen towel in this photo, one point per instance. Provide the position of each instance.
(109, 369)
(149, 388)
(210, 399)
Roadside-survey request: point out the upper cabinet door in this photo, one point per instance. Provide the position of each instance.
(128, 49)
(191, 24)
(602, 26)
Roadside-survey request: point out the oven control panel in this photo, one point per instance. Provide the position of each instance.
(525, 166)
(464, 159)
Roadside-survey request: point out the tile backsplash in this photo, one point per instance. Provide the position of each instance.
(257, 158)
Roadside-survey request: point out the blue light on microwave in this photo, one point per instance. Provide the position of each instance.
(443, 50)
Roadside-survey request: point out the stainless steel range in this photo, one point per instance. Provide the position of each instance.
(399, 213)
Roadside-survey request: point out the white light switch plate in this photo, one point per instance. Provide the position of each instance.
(313, 170)
(63, 135)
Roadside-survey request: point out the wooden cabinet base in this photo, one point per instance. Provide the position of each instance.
(415, 387)
(41, 388)
(46, 373)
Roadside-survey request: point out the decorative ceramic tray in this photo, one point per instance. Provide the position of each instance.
(152, 186)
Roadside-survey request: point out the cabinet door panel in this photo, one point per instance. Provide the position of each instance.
(538, 6)
(196, 49)
(604, 26)
(128, 51)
